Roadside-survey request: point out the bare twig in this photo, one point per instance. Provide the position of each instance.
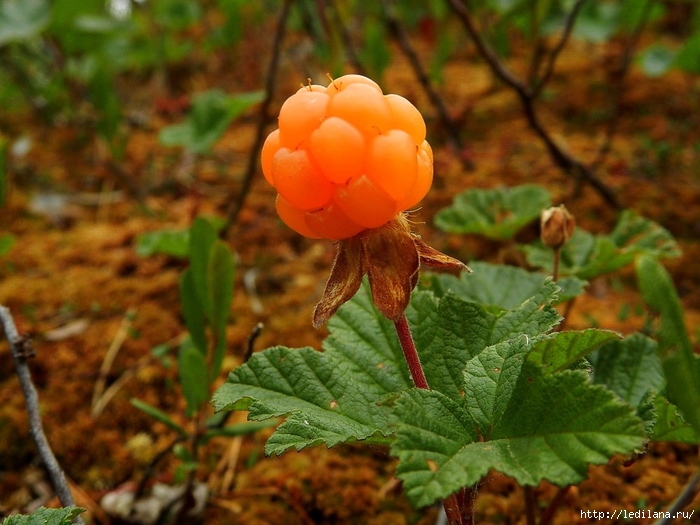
(620, 77)
(236, 207)
(684, 498)
(566, 162)
(549, 67)
(557, 500)
(20, 347)
(402, 38)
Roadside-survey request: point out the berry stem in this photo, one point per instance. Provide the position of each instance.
(410, 353)
(459, 506)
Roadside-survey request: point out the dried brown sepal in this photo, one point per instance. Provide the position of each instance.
(345, 279)
(391, 256)
(436, 259)
(392, 264)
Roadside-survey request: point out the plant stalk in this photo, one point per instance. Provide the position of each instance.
(459, 506)
(410, 353)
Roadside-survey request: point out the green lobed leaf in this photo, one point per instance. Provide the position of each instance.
(495, 213)
(453, 331)
(220, 276)
(546, 427)
(44, 516)
(681, 365)
(328, 397)
(193, 375)
(587, 255)
(335, 396)
(499, 285)
(564, 349)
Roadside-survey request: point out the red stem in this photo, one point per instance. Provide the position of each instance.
(459, 506)
(410, 353)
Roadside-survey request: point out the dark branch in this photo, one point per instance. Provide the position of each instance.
(399, 32)
(235, 209)
(21, 349)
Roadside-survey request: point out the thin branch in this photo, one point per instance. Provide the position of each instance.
(684, 498)
(621, 76)
(236, 207)
(21, 349)
(402, 38)
(563, 39)
(557, 500)
(561, 157)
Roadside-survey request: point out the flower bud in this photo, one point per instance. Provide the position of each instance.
(556, 226)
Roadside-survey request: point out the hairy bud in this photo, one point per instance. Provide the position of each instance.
(556, 226)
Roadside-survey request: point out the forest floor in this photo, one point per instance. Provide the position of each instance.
(75, 283)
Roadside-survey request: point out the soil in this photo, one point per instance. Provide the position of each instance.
(74, 282)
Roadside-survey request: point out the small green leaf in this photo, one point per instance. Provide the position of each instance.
(194, 377)
(375, 53)
(44, 516)
(23, 19)
(169, 242)
(220, 274)
(681, 365)
(564, 349)
(239, 429)
(193, 311)
(587, 255)
(7, 241)
(209, 116)
(158, 415)
(688, 57)
(656, 60)
(202, 238)
(499, 285)
(494, 213)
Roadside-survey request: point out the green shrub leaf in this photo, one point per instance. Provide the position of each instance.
(44, 516)
(23, 19)
(158, 415)
(220, 272)
(169, 242)
(211, 113)
(495, 213)
(499, 285)
(194, 376)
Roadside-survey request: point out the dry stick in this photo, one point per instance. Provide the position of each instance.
(235, 209)
(549, 68)
(20, 347)
(558, 498)
(619, 88)
(684, 498)
(561, 157)
(530, 499)
(404, 42)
